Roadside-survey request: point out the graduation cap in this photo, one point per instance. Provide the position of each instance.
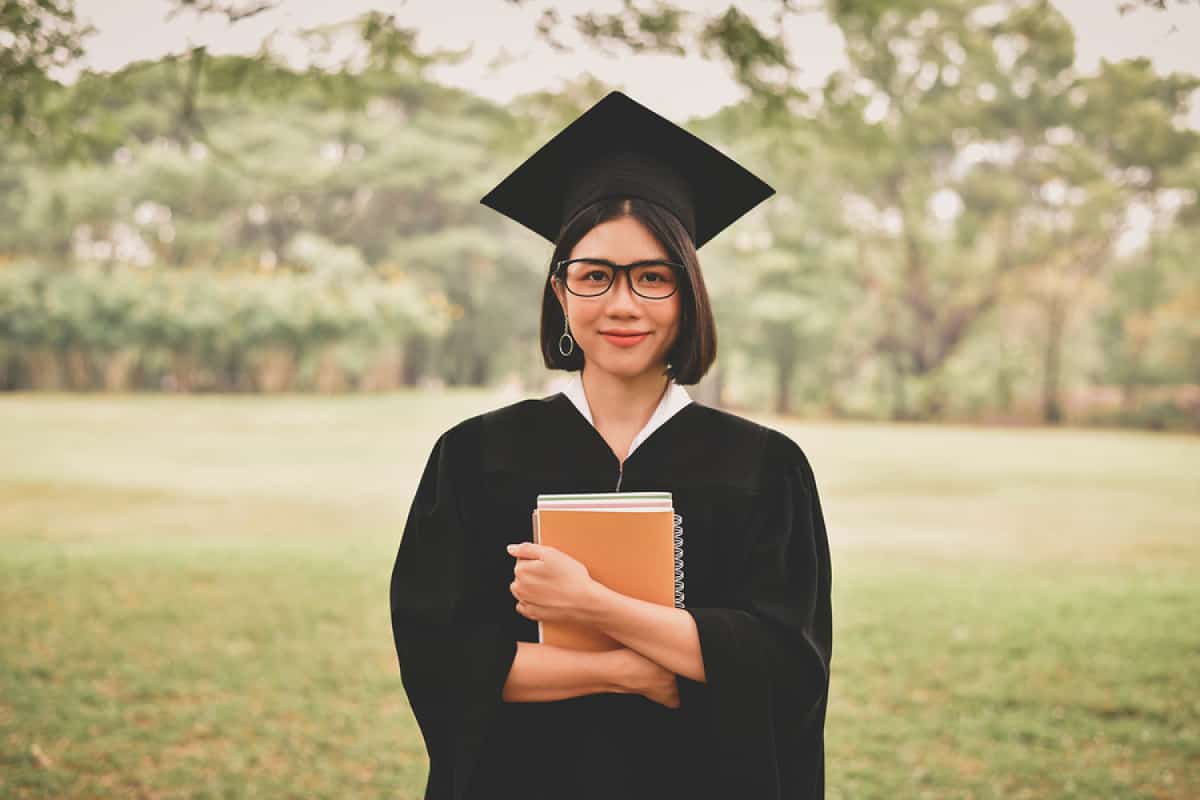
(620, 147)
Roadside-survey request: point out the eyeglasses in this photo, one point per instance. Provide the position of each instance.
(654, 279)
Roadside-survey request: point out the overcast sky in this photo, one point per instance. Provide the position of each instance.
(129, 30)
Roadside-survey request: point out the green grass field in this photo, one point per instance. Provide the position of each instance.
(194, 595)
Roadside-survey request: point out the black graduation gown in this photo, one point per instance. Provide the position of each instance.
(756, 581)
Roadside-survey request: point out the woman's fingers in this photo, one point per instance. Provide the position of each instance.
(529, 610)
(528, 550)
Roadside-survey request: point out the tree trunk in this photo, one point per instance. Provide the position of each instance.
(330, 377)
(837, 408)
(1003, 383)
(183, 368)
(119, 369)
(899, 410)
(783, 348)
(78, 368)
(384, 373)
(45, 370)
(416, 350)
(7, 371)
(275, 370)
(784, 370)
(934, 407)
(1056, 314)
(479, 371)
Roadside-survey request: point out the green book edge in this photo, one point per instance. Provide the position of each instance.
(604, 496)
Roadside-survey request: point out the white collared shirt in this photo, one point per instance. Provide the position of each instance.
(673, 400)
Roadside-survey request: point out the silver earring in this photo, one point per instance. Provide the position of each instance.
(570, 347)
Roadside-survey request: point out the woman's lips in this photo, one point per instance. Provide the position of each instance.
(624, 341)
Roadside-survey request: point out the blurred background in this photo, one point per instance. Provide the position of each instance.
(245, 282)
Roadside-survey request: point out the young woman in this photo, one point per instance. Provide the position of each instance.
(721, 697)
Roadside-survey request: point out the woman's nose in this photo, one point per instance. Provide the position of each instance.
(621, 290)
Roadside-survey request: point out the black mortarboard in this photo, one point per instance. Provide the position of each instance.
(620, 147)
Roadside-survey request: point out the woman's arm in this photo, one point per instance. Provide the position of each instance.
(665, 635)
(550, 585)
(542, 672)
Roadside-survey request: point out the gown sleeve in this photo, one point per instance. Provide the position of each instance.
(453, 661)
(766, 658)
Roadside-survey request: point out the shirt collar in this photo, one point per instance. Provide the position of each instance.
(674, 399)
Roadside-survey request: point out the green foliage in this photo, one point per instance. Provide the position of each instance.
(37, 37)
(956, 186)
(1149, 324)
(213, 327)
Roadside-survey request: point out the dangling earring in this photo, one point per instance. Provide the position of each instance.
(566, 335)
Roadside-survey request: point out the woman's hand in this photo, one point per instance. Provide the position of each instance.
(639, 675)
(550, 586)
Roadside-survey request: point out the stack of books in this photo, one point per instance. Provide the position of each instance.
(632, 542)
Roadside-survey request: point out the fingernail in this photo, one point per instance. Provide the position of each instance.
(509, 547)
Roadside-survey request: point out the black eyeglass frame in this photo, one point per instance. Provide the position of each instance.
(679, 269)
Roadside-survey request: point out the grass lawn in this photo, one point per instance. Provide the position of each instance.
(194, 599)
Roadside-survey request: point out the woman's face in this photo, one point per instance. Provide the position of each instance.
(593, 320)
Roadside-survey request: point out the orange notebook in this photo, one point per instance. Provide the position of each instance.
(632, 542)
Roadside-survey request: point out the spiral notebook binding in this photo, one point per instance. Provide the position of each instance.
(678, 546)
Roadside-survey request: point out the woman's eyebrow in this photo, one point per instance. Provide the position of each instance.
(615, 264)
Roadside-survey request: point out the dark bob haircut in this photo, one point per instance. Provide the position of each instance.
(695, 346)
